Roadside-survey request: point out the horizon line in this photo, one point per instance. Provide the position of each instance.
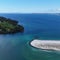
(31, 13)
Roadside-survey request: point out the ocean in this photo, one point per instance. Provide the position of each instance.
(41, 26)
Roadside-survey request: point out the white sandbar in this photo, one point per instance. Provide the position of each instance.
(46, 44)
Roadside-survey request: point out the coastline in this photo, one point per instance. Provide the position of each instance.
(45, 44)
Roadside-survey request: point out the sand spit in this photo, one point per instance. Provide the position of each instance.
(46, 44)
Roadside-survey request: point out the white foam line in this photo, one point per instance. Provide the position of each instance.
(46, 44)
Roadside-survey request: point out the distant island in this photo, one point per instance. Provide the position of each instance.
(9, 26)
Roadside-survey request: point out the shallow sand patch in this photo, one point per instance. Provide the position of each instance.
(46, 44)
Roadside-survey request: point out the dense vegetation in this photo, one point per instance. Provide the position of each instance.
(9, 26)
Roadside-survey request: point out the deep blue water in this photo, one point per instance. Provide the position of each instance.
(41, 26)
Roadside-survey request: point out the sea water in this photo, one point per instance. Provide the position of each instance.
(40, 26)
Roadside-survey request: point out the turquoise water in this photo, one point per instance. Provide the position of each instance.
(40, 26)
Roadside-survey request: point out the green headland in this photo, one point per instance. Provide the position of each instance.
(9, 26)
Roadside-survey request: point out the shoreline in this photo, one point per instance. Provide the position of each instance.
(46, 44)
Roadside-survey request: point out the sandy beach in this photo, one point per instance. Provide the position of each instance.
(46, 44)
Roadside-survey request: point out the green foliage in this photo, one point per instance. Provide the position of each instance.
(9, 26)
